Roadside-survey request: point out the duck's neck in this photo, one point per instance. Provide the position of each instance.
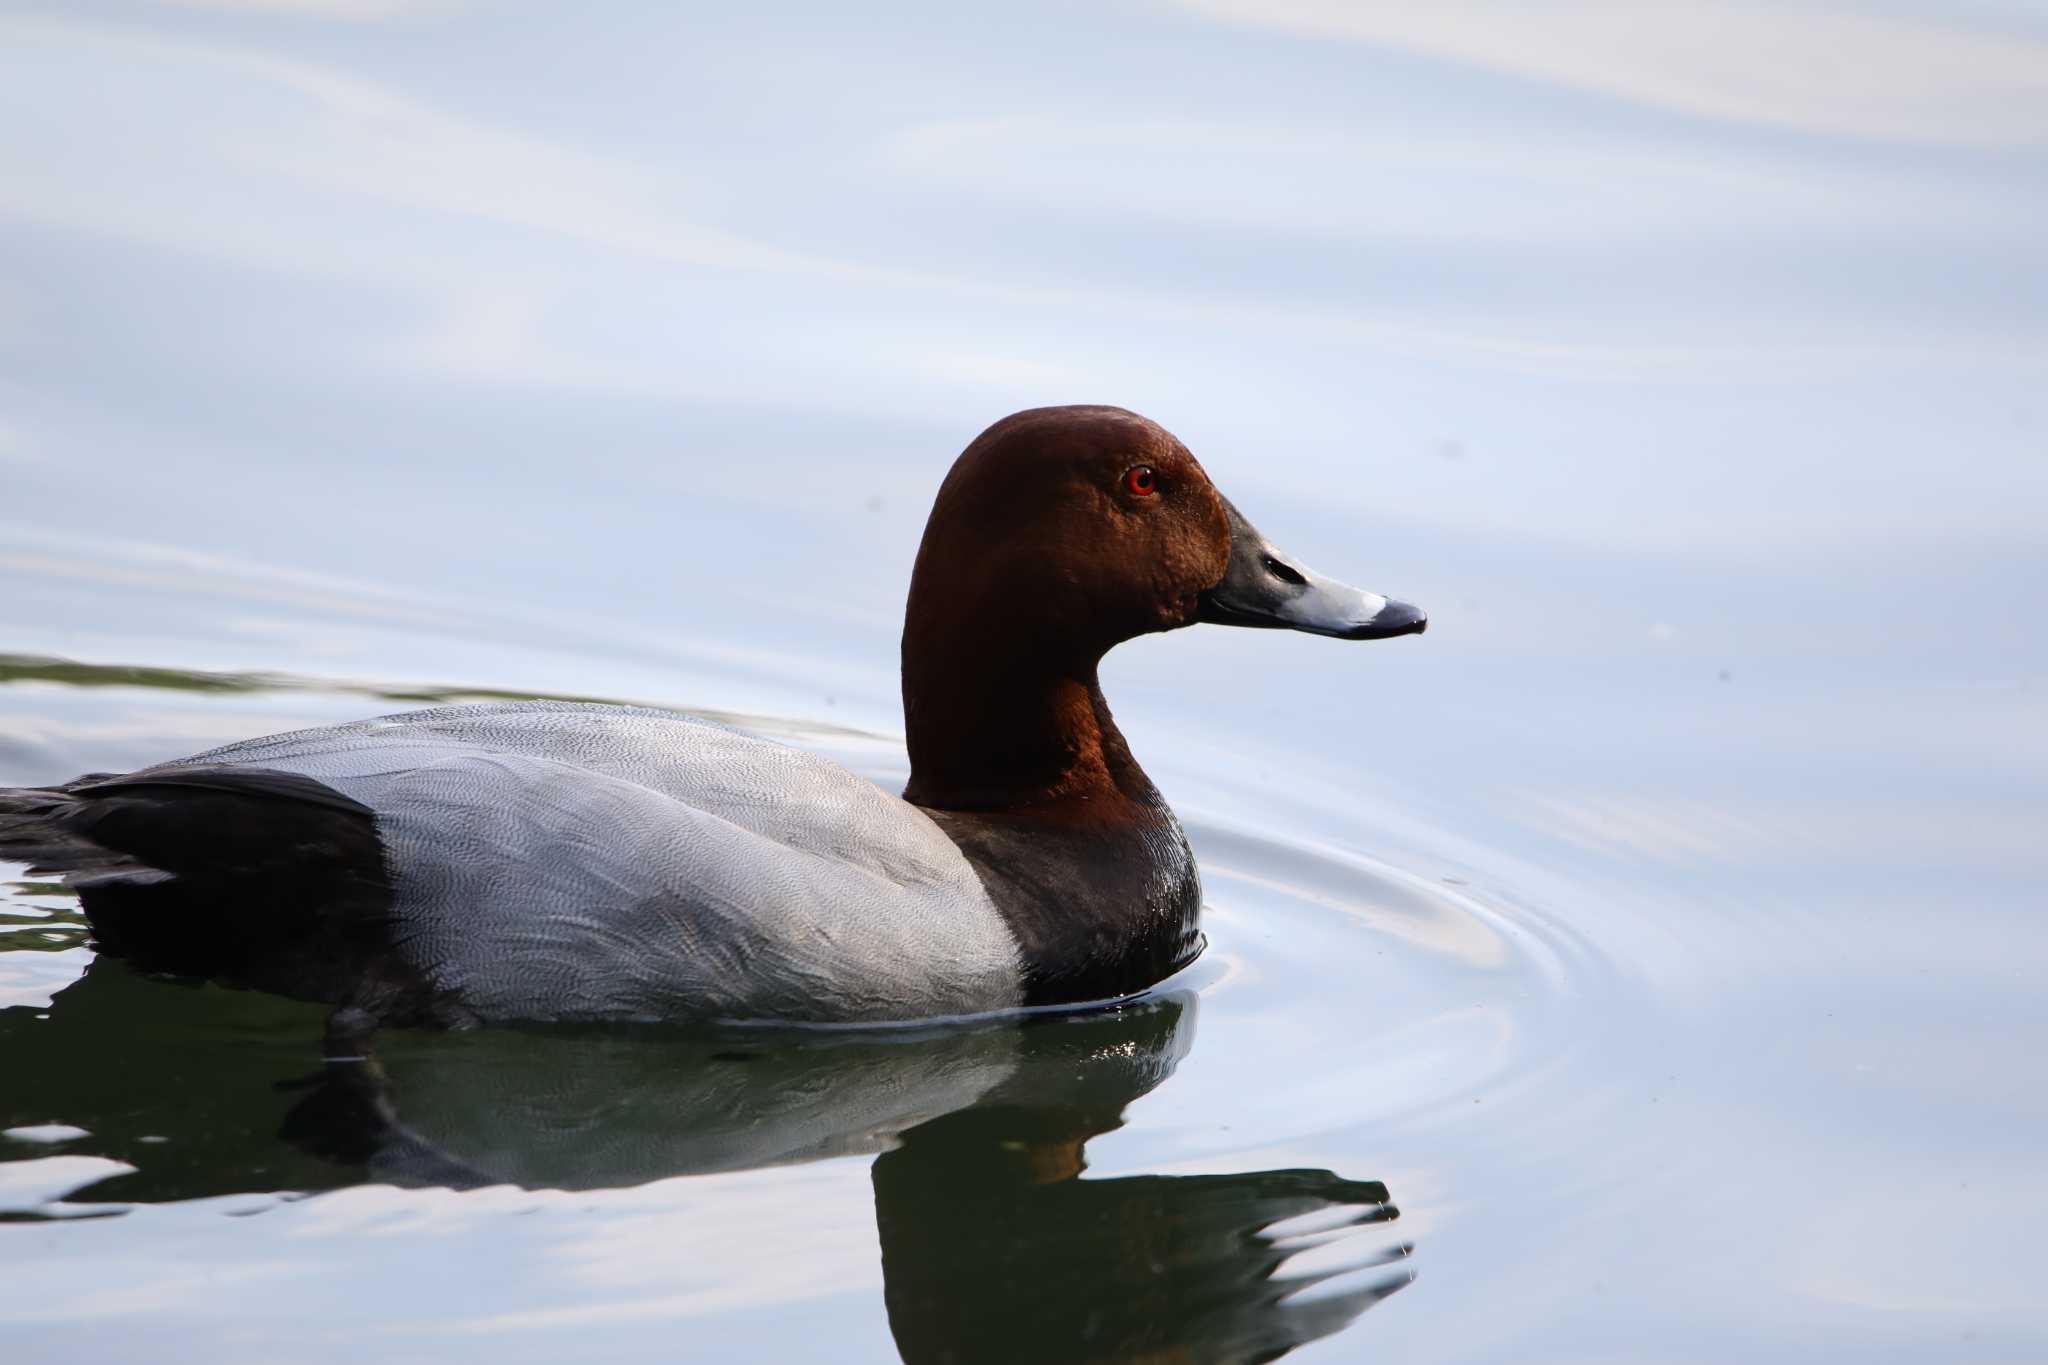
(992, 729)
(1021, 766)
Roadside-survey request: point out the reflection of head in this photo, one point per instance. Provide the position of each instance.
(994, 1250)
(985, 1259)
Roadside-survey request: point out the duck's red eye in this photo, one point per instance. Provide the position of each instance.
(1139, 480)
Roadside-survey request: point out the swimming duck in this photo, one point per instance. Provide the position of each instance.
(553, 861)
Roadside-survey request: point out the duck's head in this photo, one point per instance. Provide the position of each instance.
(1081, 527)
(1058, 534)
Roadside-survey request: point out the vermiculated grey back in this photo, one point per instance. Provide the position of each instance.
(554, 860)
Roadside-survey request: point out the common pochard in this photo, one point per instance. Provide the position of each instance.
(558, 861)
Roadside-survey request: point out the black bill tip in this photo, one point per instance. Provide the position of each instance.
(1395, 618)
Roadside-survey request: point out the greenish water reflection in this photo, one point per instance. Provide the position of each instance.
(15, 668)
(995, 1244)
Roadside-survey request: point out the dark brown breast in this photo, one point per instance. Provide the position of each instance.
(1101, 907)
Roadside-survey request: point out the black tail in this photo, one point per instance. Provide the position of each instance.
(36, 828)
(244, 875)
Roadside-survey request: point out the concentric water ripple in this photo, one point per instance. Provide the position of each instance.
(1345, 999)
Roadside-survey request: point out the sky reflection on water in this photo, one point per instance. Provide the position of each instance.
(1688, 368)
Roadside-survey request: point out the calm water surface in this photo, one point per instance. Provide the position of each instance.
(1501, 1061)
(1646, 964)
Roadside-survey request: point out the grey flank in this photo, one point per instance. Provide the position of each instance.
(559, 861)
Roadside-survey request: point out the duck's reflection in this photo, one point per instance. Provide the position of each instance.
(995, 1245)
(994, 1249)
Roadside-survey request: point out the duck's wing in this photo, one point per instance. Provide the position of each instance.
(534, 888)
(559, 861)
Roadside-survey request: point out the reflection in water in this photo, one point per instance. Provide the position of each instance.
(37, 668)
(994, 1245)
(994, 1250)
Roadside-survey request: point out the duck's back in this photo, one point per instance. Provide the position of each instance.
(551, 860)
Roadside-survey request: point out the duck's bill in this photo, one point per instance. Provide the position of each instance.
(1265, 587)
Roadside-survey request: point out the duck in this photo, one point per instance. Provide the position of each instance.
(538, 861)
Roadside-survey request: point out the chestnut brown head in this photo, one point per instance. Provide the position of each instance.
(1071, 529)
(1075, 528)
(1059, 533)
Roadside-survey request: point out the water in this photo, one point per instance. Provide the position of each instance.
(1644, 964)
